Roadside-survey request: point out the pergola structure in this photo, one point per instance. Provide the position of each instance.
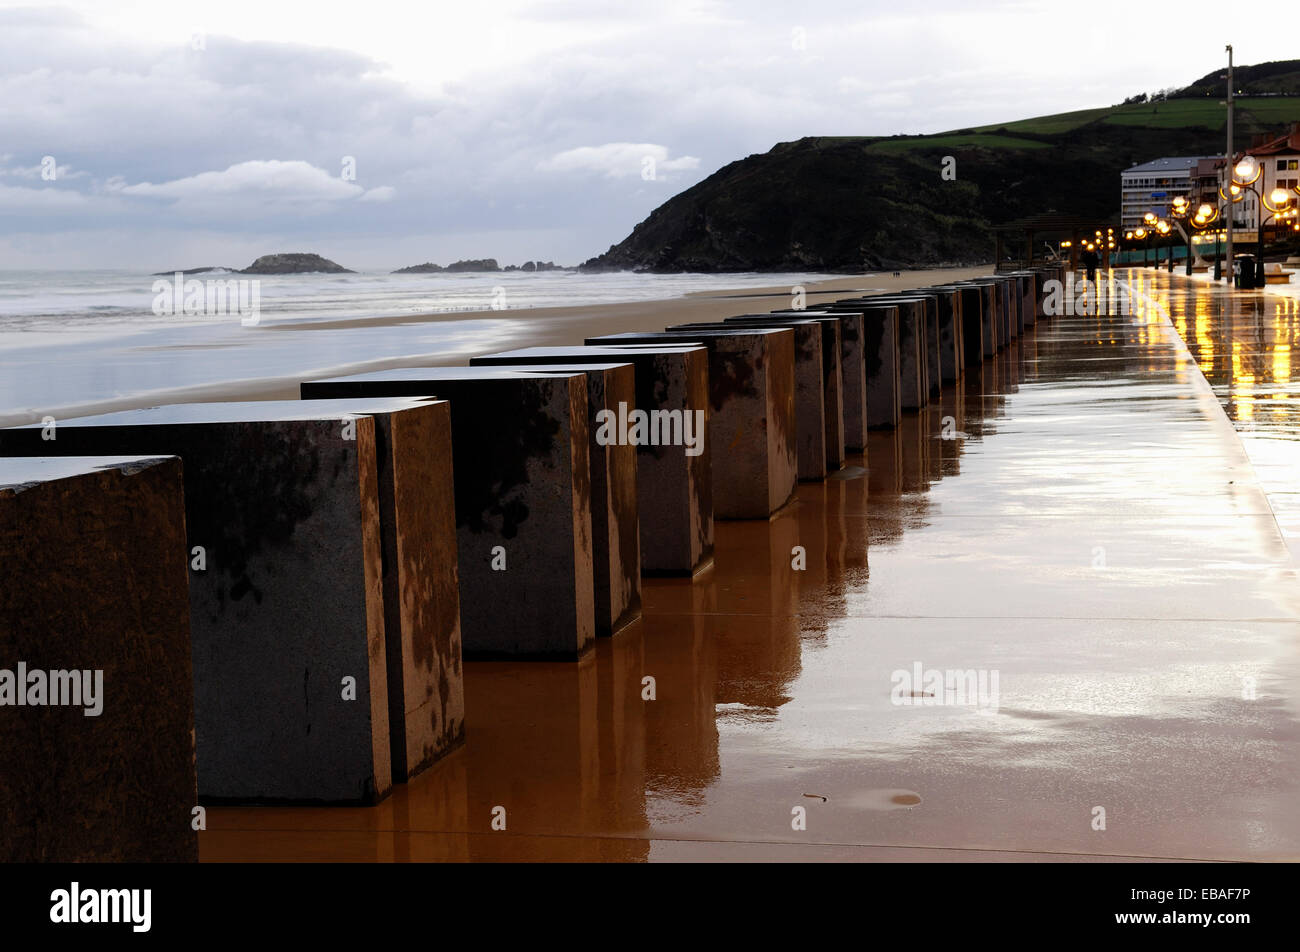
(1050, 226)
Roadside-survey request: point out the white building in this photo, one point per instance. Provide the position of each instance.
(1152, 187)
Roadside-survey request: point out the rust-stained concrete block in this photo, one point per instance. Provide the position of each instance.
(94, 590)
(523, 502)
(616, 545)
(882, 358)
(928, 377)
(813, 420)
(417, 518)
(286, 590)
(751, 420)
(914, 387)
(853, 373)
(832, 372)
(674, 488)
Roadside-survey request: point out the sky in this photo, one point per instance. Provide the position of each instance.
(160, 134)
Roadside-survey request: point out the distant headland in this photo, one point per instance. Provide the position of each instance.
(306, 263)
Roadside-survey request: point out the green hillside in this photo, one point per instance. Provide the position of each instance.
(1253, 115)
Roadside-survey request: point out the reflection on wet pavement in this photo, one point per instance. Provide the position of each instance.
(1243, 343)
(1091, 544)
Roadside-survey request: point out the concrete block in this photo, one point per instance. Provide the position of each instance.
(973, 327)
(834, 355)
(990, 314)
(951, 358)
(616, 545)
(853, 374)
(94, 590)
(751, 419)
(932, 382)
(883, 360)
(1023, 299)
(523, 502)
(286, 590)
(674, 487)
(1042, 275)
(815, 423)
(417, 520)
(913, 367)
(1007, 298)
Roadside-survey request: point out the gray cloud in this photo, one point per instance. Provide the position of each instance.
(172, 156)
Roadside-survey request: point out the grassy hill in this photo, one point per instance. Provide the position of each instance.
(845, 203)
(1254, 115)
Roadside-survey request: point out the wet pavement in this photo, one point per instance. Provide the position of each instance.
(1076, 527)
(1243, 342)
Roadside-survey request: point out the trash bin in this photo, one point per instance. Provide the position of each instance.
(1243, 272)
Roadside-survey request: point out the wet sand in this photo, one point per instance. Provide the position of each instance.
(1092, 531)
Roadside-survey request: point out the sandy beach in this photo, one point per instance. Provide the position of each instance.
(532, 327)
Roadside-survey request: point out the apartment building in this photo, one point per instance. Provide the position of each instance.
(1152, 186)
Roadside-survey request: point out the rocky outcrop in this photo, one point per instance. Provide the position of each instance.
(472, 264)
(295, 263)
(475, 264)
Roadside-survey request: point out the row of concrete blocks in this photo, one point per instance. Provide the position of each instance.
(342, 558)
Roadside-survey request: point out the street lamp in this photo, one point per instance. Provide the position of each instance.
(1143, 235)
(1181, 212)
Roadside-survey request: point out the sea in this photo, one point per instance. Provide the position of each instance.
(72, 339)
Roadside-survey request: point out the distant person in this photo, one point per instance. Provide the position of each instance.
(1090, 262)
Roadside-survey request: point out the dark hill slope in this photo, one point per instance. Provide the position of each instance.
(853, 203)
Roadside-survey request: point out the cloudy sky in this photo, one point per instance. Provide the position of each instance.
(160, 134)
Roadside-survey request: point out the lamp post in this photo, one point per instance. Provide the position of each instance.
(1143, 235)
(1181, 212)
(1206, 215)
(1230, 153)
